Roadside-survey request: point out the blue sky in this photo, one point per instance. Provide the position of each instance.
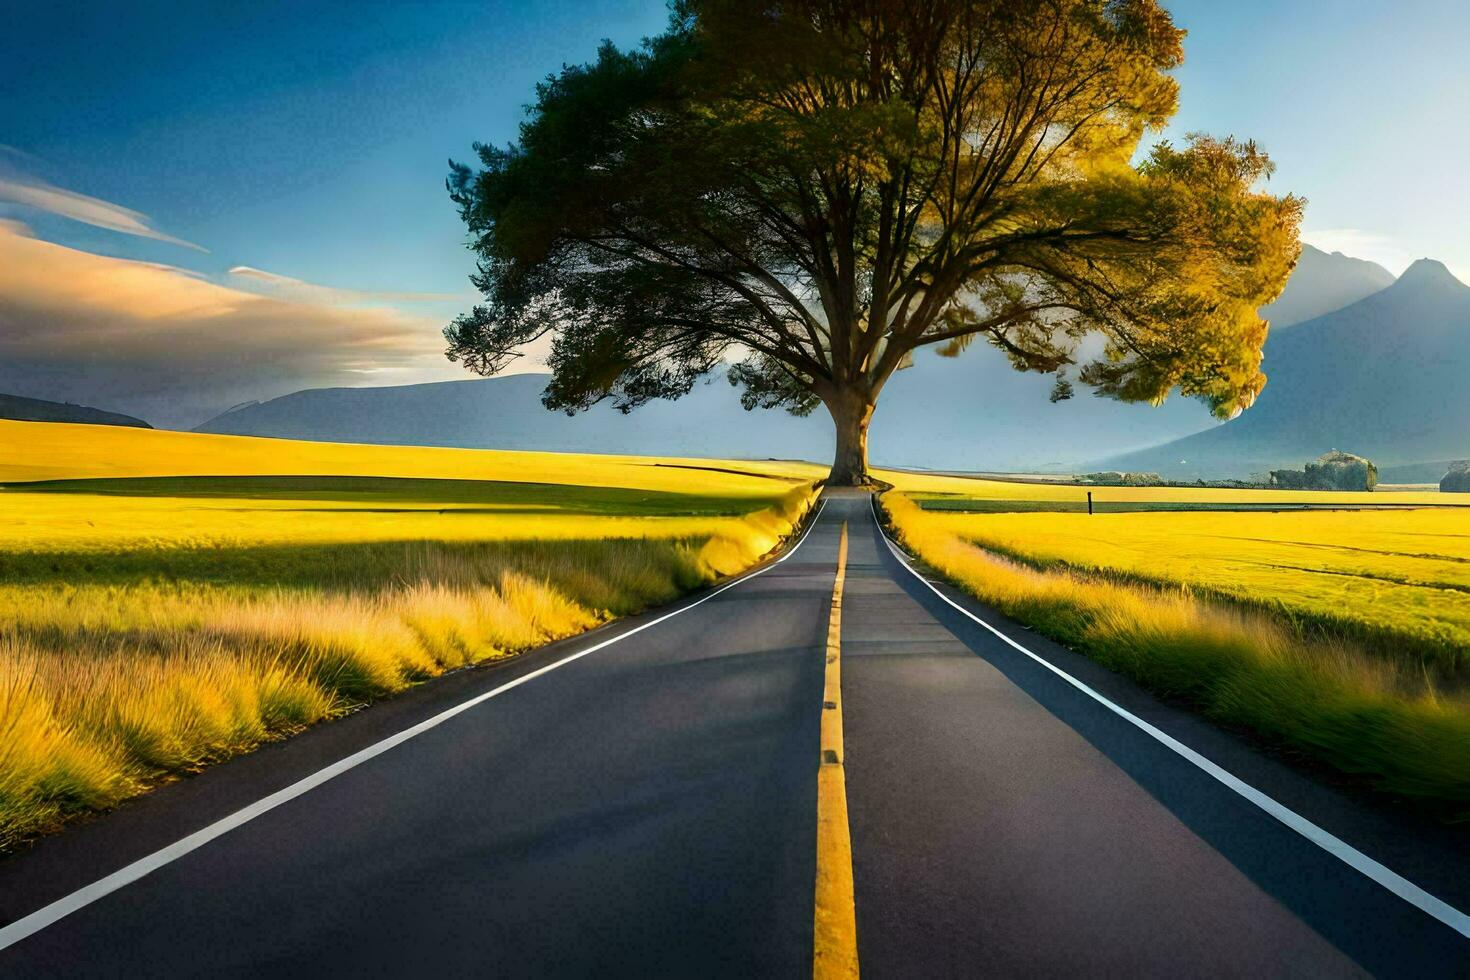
(1362, 105)
(309, 141)
(306, 139)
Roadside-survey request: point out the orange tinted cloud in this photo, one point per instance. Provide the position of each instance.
(166, 344)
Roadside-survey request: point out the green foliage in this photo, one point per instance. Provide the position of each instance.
(1117, 479)
(821, 187)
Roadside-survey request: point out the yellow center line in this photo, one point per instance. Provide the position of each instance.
(835, 928)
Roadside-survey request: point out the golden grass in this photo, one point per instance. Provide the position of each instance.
(58, 451)
(149, 630)
(1376, 718)
(1398, 579)
(104, 523)
(995, 489)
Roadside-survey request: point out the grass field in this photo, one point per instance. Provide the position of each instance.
(1397, 579)
(986, 494)
(1344, 635)
(168, 600)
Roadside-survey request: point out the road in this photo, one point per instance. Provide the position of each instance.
(643, 801)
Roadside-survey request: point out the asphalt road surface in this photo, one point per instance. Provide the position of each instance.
(647, 806)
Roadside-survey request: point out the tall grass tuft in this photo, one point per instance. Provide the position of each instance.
(1379, 720)
(106, 690)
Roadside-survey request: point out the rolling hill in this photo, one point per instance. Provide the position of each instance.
(970, 413)
(21, 409)
(1384, 377)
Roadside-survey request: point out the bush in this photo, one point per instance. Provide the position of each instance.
(1116, 479)
(1457, 480)
(1336, 470)
(1289, 479)
(1341, 471)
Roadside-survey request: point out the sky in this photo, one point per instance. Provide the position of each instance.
(206, 204)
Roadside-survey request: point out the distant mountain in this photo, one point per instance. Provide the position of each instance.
(972, 412)
(506, 413)
(1387, 377)
(1322, 283)
(38, 410)
(1428, 472)
(965, 413)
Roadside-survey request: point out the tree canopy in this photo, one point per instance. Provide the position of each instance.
(807, 191)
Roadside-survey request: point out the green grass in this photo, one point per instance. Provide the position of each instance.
(410, 494)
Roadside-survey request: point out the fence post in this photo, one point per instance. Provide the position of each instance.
(1089, 501)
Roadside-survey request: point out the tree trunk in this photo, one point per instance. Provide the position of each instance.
(850, 414)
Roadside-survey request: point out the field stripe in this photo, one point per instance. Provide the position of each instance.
(834, 930)
(1340, 849)
(36, 921)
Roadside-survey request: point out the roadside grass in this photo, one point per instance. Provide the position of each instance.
(1378, 719)
(1397, 582)
(931, 486)
(970, 505)
(152, 626)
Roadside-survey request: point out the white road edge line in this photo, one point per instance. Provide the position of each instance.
(1343, 851)
(33, 923)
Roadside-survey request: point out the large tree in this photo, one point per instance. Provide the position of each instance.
(804, 192)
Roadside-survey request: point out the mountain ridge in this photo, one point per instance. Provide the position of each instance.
(1383, 377)
(22, 409)
(1323, 282)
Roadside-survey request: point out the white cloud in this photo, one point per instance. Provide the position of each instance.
(311, 292)
(32, 193)
(162, 343)
(1361, 244)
